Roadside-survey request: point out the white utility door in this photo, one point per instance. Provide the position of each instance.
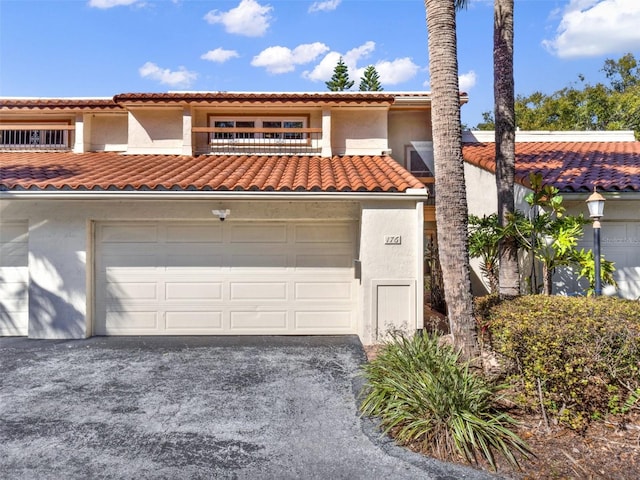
(213, 278)
(14, 279)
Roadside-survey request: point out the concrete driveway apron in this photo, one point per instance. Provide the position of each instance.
(191, 408)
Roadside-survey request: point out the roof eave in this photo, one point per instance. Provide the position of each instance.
(409, 194)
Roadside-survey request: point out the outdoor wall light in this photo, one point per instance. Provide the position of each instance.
(221, 214)
(595, 202)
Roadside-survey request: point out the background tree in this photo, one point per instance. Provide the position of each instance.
(451, 200)
(614, 105)
(370, 81)
(505, 135)
(340, 78)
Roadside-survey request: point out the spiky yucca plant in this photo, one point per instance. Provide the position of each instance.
(422, 393)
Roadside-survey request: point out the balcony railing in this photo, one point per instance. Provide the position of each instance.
(257, 141)
(32, 136)
(430, 185)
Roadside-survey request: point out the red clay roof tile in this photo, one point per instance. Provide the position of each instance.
(114, 171)
(356, 98)
(58, 104)
(569, 166)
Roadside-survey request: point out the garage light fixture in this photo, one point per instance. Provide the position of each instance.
(221, 214)
(595, 202)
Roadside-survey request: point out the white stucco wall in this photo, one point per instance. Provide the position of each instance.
(61, 249)
(155, 131)
(620, 243)
(482, 200)
(391, 274)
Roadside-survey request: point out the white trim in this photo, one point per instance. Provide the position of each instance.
(488, 136)
(411, 194)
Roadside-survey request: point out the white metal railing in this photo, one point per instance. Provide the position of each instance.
(258, 141)
(36, 136)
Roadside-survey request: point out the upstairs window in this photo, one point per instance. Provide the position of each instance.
(258, 129)
(420, 163)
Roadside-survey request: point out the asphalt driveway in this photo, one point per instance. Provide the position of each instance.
(193, 407)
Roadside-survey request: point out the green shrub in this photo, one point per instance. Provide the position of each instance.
(578, 357)
(422, 394)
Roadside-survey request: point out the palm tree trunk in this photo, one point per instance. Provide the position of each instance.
(451, 200)
(505, 140)
(547, 279)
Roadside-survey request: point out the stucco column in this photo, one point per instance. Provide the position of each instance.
(187, 142)
(391, 267)
(57, 274)
(79, 146)
(326, 134)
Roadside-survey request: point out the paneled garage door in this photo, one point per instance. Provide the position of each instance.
(187, 278)
(621, 244)
(13, 278)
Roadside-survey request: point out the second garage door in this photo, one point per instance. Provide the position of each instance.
(196, 278)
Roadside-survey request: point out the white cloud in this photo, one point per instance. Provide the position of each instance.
(467, 81)
(323, 70)
(104, 4)
(219, 55)
(249, 18)
(282, 59)
(395, 71)
(592, 28)
(352, 56)
(325, 6)
(180, 78)
(391, 72)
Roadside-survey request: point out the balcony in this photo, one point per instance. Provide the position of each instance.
(257, 141)
(430, 204)
(36, 137)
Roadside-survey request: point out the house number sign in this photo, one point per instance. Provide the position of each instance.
(392, 240)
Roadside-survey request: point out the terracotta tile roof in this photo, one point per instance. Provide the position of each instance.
(350, 98)
(58, 104)
(569, 166)
(114, 171)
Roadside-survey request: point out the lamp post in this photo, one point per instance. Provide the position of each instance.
(595, 202)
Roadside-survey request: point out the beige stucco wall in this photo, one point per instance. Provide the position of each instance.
(405, 127)
(61, 249)
(106, 132)
(155, 130)
(359, 132)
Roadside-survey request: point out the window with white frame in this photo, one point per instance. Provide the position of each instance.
(262, 129)
(420, 162)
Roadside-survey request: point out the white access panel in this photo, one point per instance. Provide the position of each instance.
(213, 278)
(14, 278)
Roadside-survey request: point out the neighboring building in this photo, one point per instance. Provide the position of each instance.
(575, 163)
(213, 213)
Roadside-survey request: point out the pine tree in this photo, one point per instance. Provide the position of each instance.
(340, 78)
(370, 81)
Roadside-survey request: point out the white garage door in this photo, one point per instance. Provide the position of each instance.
(186, 278)
(14, 278)
(621, 244)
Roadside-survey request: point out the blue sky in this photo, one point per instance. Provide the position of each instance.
(72, 48)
